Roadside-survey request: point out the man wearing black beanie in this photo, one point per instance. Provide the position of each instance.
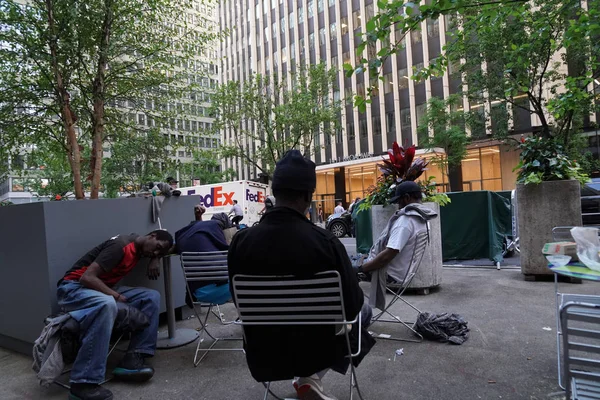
(286, 243)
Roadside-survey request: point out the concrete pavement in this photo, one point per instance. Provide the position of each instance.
(509, 354)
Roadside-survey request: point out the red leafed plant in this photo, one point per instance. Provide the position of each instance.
(402, 166)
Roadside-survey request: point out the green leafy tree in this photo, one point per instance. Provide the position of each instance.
(540, 56)
(265, 117)
(205, 167)
(444, 127)
(72, 72)
(136, 160)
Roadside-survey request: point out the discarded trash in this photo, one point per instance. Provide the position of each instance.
(547, 328)
(528, 358)
(491, 381)
(399, 352)
(445, 327)
(384, 336)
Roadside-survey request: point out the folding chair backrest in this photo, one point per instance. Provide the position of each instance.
(581, 345)
(418, 253)
(289, 300)
(562, 234)
(207, 266)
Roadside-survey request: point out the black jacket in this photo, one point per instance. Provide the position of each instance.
(286, 243)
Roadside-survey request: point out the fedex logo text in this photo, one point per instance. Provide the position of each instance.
(258, 197)
(217, 198)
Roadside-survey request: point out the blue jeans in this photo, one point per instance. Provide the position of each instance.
(96, 313)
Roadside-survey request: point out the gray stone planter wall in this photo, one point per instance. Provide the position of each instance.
(40, 241)
(541, 208)
(430, 271)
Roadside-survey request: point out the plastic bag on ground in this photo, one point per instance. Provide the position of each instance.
(588, 246)
(443, 327)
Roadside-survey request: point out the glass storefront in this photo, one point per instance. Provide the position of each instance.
(481, 170)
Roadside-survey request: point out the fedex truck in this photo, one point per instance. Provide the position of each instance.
(219, 197)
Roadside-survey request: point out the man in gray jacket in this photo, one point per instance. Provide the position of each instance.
(395, 245)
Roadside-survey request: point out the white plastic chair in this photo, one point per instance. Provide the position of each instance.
(289, 300)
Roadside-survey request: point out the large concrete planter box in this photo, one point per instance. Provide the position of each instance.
(542, 207)
(40, 241)
(429, 274)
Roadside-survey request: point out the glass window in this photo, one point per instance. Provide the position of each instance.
(415, 36)
(344, 25)
(363, 128)
(350, 130)
(283, 25)
(348, 95)
(387, 83)
(332, 30)
(390, 122)
(292, 21)
(405, 118)
(266, 34)
(293, 51)
(322, 36)
(433, 27)
(356, 19)
(369, 12)
(320, 5)
(311, 40)
(403, 78)
(346, 57)
(377, 125)
(360, 89)
(334, 61)
(274, 27)
(311, 8)
(421, 110)
(300, 14)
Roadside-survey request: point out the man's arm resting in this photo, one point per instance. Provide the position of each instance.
(381, 260)
(90, 279)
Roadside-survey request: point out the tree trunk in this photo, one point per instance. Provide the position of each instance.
(74, 153)
(98, 94)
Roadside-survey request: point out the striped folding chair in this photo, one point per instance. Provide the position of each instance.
(397, 289)
(290, 300)
(580, 324)
(206, 267)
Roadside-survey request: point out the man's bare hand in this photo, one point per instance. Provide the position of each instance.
(153, 270)
(121, 298)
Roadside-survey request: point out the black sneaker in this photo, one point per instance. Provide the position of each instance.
(89, 391)
(132, 368)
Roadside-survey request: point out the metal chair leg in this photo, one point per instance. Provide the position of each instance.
(267, 386)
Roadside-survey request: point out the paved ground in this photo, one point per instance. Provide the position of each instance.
(508, 356)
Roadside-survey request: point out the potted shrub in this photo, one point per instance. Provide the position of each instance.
(402, 166)
(548, 195)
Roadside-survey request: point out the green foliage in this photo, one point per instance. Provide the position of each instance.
(430, 193)
(524, 45)
(545, 160)
(136, 159)
(206, 167)
(265, 117)
(444, 127)
(74, 73)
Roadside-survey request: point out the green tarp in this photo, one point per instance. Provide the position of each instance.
(362, 229)
(475, 224)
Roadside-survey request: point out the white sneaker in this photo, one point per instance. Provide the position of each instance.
(311, 389)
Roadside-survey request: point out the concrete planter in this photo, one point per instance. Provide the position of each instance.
(541, 208)
(41, 241)
(429, 274)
